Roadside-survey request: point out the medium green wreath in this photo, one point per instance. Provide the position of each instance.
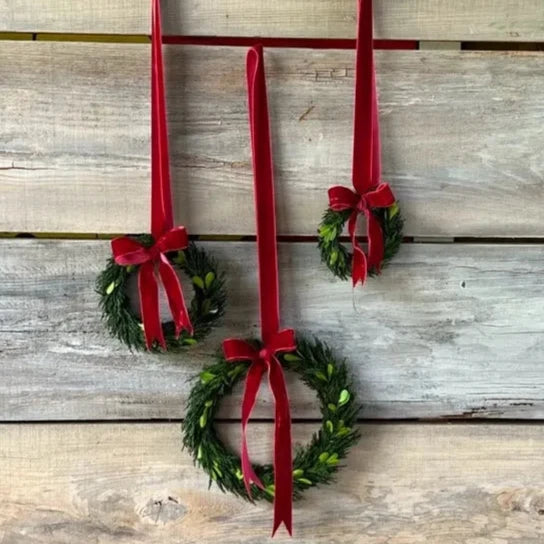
(314, 464)
(206, 308)
(336, 255)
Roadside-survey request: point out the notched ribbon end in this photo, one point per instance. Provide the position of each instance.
(359, 267)
(150, 342)
(183, 324)
(278, 524)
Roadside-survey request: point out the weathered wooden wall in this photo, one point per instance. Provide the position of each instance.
(451, 331)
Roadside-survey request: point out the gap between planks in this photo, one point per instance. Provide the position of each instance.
(282, 238)
(295, 421)
(229, 41)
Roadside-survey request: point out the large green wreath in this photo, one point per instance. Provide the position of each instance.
(206, 307)
(314, 464)
(338, 257)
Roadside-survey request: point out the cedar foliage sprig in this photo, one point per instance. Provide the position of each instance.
(314, 464)
(206, 307)
(336, 255)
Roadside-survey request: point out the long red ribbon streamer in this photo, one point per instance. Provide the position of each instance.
(274, 339)
(127, 251)
(370, 192)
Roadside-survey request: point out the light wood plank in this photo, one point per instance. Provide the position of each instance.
(477, 484)
(448, 331)
(461, 138)
(483, 20)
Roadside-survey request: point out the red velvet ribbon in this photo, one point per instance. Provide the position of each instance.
(127, 251)
(274, 339)
(370, 192)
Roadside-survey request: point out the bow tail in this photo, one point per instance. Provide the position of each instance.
(375, 241)
(359, 265)
(283, 460)
(253, 380)
(149, 305)
(175, 298)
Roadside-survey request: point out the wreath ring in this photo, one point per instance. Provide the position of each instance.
(314, 464)
(207, 305)
(338, 257)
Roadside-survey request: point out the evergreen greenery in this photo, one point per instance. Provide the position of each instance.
(314, 464)
(336, 255)
(206, 307)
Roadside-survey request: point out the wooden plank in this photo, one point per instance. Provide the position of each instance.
(120, 484)
(76, 16)
(461, 138)
(483, 20)
(448, 331)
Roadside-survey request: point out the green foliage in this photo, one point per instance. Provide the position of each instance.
(314, 464)
(206, 307)
(336, 255)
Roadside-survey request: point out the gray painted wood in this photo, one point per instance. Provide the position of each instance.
(461, 138)
(449, 330)
(483, 20)
(477, 484)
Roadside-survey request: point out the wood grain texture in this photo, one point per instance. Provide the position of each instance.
(404, 484)
(482, 20)
(447, 331)
(461, 137)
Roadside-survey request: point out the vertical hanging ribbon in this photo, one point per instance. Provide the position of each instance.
(127, 251)
(274, 339)
(370, 192)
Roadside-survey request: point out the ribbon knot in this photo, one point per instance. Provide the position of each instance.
(264, 360)
(265, 355)
(362, 204)
(155, 253)
(379, 196)
(127, 251)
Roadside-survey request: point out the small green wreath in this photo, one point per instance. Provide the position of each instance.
(314, 464)
(336, 255)
(206, 308)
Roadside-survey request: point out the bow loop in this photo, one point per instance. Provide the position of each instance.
(380, 197)
(239, 350)
(342, 198)
(282, 341)
(127, 251)
(174, 239)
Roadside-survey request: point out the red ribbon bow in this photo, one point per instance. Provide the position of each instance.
(127, 251)
(274, 340)
(343, 198)
(370, 192)
(262, 361)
